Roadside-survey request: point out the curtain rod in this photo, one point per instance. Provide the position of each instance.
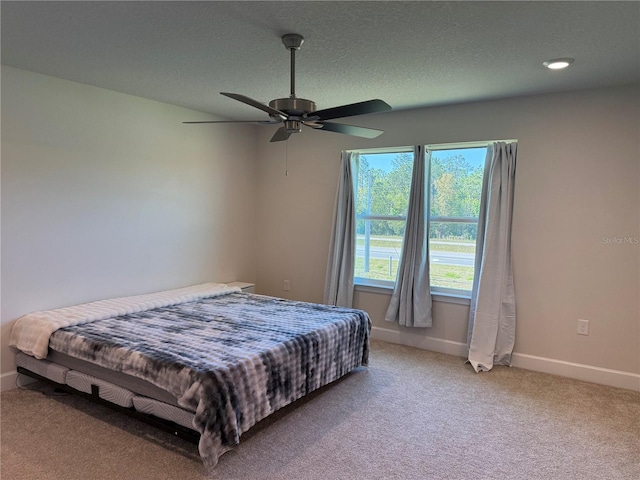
(436, 146)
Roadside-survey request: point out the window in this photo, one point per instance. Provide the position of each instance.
(382, 200)
(455, 191)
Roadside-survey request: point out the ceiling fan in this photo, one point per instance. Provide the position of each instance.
(294, 112)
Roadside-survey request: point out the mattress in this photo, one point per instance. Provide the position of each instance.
(44, 368)
(134, 384)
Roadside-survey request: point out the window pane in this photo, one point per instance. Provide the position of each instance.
(456, 182)
(384, 181)
(452, 249)
(378, 247)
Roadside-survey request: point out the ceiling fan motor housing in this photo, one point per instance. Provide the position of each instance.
(295, 107)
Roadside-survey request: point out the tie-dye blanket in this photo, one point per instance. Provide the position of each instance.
(233, 359)
(30, 333)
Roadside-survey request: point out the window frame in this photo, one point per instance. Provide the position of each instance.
(439, 293)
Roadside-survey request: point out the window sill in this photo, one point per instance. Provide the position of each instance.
(435, 296)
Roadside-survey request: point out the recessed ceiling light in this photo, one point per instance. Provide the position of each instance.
(558, 63)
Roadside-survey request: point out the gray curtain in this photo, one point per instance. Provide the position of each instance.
(492, 315)
(411, 300)
(338, 286)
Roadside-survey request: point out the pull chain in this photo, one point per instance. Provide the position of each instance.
(286, 158)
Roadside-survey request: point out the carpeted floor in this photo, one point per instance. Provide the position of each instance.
(411, 414)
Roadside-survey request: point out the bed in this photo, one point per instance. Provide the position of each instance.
(210, 358)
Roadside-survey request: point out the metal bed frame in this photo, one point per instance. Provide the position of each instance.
(160, 423)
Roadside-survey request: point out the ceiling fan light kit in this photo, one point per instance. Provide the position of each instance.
(294, 112)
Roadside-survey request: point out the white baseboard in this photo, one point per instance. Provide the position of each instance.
(8, 381)
(587, 373)
(418, 341)
(578, 371)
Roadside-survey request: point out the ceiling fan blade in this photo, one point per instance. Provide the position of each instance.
(350, 130)
(261, 122)
(280, 135)
(254, 103)
(353, 109)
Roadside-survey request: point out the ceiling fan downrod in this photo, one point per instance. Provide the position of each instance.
(292, 42)
(294, 107)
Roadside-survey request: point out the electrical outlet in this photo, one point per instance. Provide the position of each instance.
(287, 286)
(583, 327)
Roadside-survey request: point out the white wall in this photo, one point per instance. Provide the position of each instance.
(106, 195)
(577, 182)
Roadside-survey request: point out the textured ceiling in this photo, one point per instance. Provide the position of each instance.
(410, 54)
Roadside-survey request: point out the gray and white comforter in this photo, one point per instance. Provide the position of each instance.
(233, 359)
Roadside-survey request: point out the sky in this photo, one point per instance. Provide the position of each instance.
(475, 157)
